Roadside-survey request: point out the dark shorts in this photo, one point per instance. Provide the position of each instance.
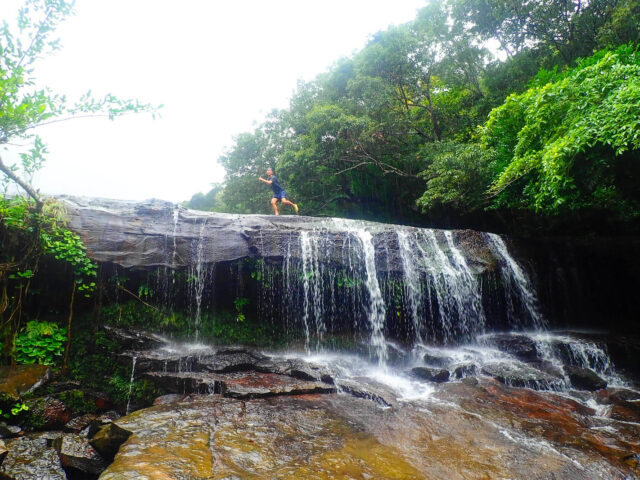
(281, 195)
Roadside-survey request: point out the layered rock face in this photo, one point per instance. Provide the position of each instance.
(158, 233)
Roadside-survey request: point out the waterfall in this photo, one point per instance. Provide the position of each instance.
(413, 283)
(313, 285)
(176, 216)
(514, 274)
(198, 277)
(133, 371)
(376, 308)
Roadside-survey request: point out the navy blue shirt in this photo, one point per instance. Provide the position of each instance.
(275, 186)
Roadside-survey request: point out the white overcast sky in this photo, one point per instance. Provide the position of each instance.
(217, 66)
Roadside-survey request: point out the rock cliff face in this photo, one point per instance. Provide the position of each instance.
(158, 233)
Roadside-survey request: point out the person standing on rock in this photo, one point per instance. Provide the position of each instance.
(279, 192)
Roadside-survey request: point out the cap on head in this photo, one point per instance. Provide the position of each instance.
(269, 169)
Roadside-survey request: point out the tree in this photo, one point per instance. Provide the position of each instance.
(33, 227)
(23, 107)
(572, 141)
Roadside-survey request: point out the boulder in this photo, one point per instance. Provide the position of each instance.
(77, 455)
(464, 370)
(295, 368)
(30, 459)
(99, 421)
(77, 424)
(18, 380)
(520, 346)
(584, 379)
(108, 439)
(519, 375)
(135, 339)
(437, 360)
(437, 375)
(9, 431)
(47, 413)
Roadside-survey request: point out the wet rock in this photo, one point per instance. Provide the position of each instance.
(294, 438)
(517, 375)
(108, 439)
(76, 454)
(465, 370)
(9, 431)
(437, 360)
(49, 436)
(295, 368)
(156, 233)
(169, 398)
(584, 379)
(135, 339)
(231, 360)
(187, 382)
(77, 424)
(18, 380)
(365, 389)
(100, 420)
(520, 346)
(262, 385)
(437, 375)
(47, 413)
(470, 381)
(29, 459)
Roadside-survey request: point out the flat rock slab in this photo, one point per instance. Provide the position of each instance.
(17, 380)
(261, 385)
(486, 431)
(515, 375)
(158, 233)
(77, 454)
(214, 437)
(237, 385)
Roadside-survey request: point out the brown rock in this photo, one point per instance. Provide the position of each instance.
(16, 380)
(108, 440)
(77, 454)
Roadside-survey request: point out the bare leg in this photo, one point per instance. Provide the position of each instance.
(274, 202)
(287, 202)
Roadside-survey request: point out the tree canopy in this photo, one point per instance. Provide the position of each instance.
(475, 109)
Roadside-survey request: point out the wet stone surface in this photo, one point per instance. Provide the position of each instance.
(461, 432)
(17, 380)
(30, 459)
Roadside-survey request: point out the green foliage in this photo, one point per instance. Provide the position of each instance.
(566, 144)
(15, 410)
(65, 245)
(457, 176)
(40, 342)
(77, 401)
(239, 303)
(392, 130)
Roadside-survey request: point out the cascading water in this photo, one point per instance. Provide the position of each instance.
(413, 283)
(514, 276)
(198, 277)
(376, 310)
(313, 286)
(133, 372)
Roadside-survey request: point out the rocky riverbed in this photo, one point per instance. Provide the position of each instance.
(236, 413)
